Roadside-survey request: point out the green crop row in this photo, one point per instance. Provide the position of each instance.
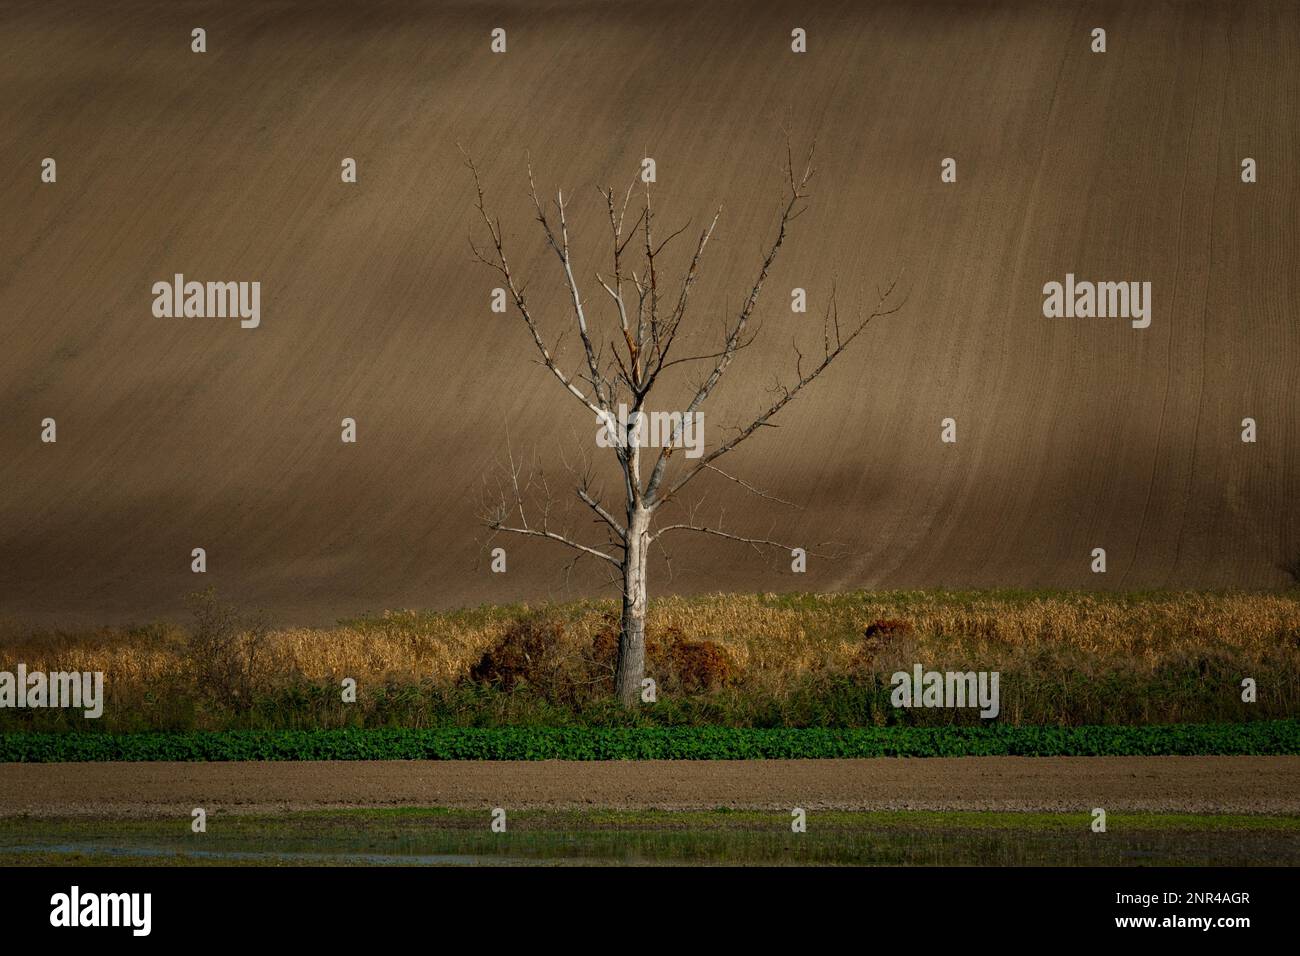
(656, 743)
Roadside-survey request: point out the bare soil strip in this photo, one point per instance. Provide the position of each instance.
(1159, 784)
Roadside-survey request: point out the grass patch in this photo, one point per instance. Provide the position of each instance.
(1066, 659)
(415, 820)
(433, 836)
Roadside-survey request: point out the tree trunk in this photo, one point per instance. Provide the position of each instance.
(631, 641)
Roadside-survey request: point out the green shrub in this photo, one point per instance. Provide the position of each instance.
(659, 743)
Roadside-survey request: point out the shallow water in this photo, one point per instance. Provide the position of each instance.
(453, 846)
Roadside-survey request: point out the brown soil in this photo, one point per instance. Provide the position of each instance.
(1072, 433)
(1170, 784)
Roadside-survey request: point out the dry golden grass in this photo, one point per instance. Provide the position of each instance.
(770, 639)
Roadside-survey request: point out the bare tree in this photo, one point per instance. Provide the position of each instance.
(647, 313)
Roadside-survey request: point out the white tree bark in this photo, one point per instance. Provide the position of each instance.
(630, 670)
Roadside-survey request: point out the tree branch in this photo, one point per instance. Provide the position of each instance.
(552, 536)
(788, 394)
(502, 266)
(798, 185)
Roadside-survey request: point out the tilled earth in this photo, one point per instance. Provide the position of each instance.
(1073, 433)
(1157, 784)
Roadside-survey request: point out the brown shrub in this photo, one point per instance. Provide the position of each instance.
(885, 628)
(602, 659)
(694, 665)
(526, 653)
(551, 654)
(881, 635)
(700, 665)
